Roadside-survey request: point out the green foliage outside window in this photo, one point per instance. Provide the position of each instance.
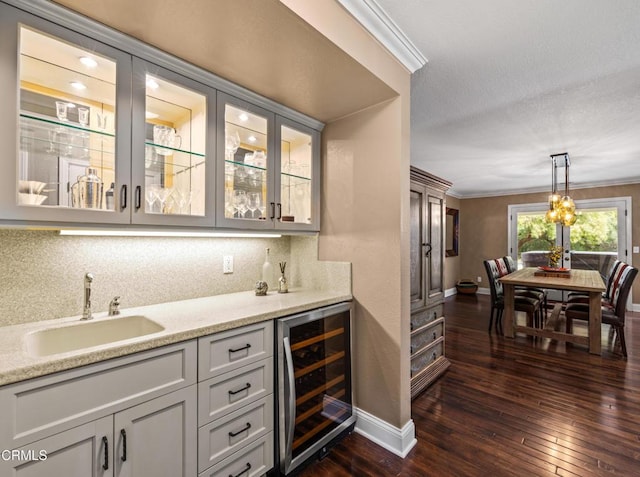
(595, 231)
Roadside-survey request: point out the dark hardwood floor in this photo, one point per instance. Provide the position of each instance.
(513, 407)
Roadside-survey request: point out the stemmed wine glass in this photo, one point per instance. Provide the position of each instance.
(163, 195)
(240, 202)
(151, 196)
(254, 200)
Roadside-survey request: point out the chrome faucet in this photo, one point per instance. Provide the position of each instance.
(114, 306)
(86, 308)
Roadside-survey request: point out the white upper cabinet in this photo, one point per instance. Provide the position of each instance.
(91, 135)
(269, 177)
(65, 132)
(173, 154)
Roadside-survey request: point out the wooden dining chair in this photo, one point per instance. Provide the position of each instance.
(530, 305)
(613, 311)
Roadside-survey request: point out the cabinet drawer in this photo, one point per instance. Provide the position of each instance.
(223, 352)
(425, 357)
(230, 391)
(40, 407)
(426, 335)
(254, 460)
(423, 317)
(234, 431)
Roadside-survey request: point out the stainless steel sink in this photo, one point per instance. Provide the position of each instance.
(88, 334)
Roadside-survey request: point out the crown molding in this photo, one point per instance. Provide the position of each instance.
(375, 20)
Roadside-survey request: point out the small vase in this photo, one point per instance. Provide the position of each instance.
(283, 287)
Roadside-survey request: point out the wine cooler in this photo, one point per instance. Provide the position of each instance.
(314, 380)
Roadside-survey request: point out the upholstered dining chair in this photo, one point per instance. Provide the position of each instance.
(530, 305)
(614, 310)
(583, 297)
(538, 293)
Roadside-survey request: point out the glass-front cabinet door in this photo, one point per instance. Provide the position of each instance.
(297, 205)
(245, 176)
(71, 159)
(173, 130)
(270, 169)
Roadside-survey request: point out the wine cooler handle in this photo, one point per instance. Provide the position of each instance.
(291, 385)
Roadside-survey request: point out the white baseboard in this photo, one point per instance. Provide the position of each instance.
(635, 307)
(450, 292)
(398, 441)
(483, 291)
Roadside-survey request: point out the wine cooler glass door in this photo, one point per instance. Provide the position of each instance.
(315, 382)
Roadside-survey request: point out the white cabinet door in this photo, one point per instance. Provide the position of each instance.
(84, 451)
(158, 438)
(66, 100)
(173, 148)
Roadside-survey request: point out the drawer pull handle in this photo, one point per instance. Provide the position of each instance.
(247, 469)
(247, 346)
(245, 428)
(231, 393)
(434, 356)
(434, 335)
(105, 443)
(123, 458)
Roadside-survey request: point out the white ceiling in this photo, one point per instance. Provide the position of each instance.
(508, 83)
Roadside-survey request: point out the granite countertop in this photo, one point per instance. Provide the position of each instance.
(182, 320)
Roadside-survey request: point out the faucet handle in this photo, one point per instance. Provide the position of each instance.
(114, 306)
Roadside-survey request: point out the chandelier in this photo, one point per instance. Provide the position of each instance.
(562, 210)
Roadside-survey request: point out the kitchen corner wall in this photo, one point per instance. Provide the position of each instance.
(42, 273)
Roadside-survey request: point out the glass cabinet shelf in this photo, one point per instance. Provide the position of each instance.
(168, 151)
(63, 139)
(65, 124)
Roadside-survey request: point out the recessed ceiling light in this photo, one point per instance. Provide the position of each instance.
(88, 61)
(151, 83)
(78, 85)
(243, 117)
(252, 139)
(150, 115)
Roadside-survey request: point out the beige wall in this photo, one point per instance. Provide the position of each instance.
(365, 214)
(483, 226)
(362, 207)
(452, 264)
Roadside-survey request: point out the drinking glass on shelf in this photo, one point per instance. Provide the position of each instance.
(61, 110)
(183, 199)
(163, 195)
(151, 197)
(240, 203)
(254, 200)
(83, 117)
(231, 143)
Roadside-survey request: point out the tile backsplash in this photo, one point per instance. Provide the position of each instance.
(41, 273)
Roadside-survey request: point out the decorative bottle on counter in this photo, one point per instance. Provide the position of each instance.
(267, 272)
(283, 287)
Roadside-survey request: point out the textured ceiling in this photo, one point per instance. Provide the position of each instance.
(510, 82)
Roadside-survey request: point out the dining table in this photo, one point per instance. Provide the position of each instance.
(588, 281)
